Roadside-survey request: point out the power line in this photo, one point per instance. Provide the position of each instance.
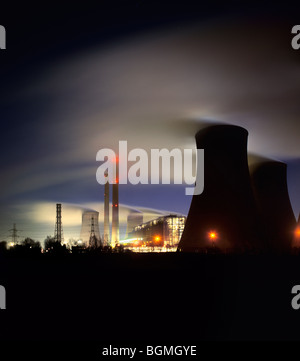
(14, 234)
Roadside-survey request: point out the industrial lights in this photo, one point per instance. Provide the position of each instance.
(213, 235)
(297, 232)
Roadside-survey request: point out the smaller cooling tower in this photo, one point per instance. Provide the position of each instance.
(86, 226)
(134, 219)
(272, 198)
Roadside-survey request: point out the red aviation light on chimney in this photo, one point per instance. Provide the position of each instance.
(213, 235)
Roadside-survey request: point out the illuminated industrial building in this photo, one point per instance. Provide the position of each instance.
(159, 235)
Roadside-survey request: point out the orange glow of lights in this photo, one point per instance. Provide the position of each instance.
(157, 238)
(297, 232)
(213, 235)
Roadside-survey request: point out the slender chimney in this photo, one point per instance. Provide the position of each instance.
(106, 212)
(115, 209)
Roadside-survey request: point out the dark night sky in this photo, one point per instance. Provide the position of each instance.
(79, 77)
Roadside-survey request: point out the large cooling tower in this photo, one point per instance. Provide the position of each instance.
(134, 219)
(296, 237)
(224, 215)
(271, 193)
(86, 226)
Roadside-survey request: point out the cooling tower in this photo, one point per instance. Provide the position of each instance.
(270, 188)
(134, 219)
(115, 209)
(224, 215)
(86, 226)
(296, 237)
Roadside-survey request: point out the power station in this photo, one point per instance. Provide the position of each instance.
(241, 210)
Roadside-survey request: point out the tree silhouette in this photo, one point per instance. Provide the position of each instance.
(27, 247)
(3, 247)
(55, 247)
(30, 243)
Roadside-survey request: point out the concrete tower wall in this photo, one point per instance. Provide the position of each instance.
(227, 205)
(270, 188)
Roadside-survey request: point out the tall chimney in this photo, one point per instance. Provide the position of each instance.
(115, 208)
(106, 212)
